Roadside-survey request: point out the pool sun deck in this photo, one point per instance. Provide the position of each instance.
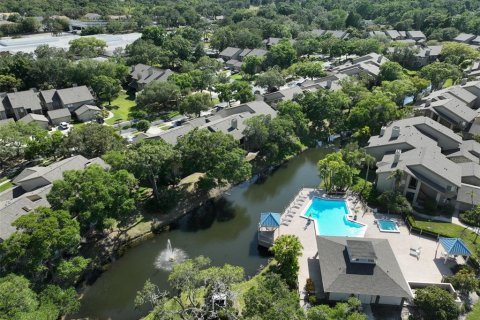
(429, 267)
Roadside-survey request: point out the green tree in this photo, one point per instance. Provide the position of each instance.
(106, 88)
(242, 91)
(354, 20)
(324, 110)
(464, 281)
(390, 71)
(87, 47)
(64, 300)
(270, 79)
(222, 38)
(156, 34)
(216, 154)
(43, 237)
(348, 310)
(30, 24)
(274, 139)
(294, 111)
(374, 110)
(335, 172)
(18, 141)
(272, 299)
(435, 303)
(92, 140)
(150, 160)
(68, 272)
(93, 195)
(399, 89)
(143, 125)
(456, 53)
(159, 96)
(16, 296)
(8, 83)
(309, 69)
(196, 103)
(473, 218)
(188, 279)
(286, 250)
(282, 54)
(252, 64)
(439, 72)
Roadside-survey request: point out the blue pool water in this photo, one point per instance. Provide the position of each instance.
(387, 225)
(331, 218)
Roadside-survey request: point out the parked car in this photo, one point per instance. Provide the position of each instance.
(63, 126)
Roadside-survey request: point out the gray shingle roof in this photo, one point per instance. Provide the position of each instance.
(11, 210)
(422, 160)
(465, 37)
(340, 275)
(257, 53)
(31, 117)
(85, 108)
(415, 34)
(47, 95)
(75, 95)
(230, 52)
(24, 99)
(55, 170)
(59, 113)
(143, 73)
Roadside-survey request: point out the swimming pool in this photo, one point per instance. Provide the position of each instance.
(387, 225)
(331, 219)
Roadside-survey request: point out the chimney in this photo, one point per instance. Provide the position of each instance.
(397, 155)
(428, 103)
(463, 81)
(382, 131)
(15, 90)
(234, 123)
(139, 76)
(395, 132)
(379, 58)
(427, 53)
(329, 84)
(150, 71)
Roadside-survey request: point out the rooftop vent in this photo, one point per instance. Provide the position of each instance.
(428, 103)
(463, 81)
(397, 155)
(395, 132)
(382, 131)
(234, 123)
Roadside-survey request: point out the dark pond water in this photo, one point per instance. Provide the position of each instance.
(225, 232)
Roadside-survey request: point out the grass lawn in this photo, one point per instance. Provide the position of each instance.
(448, 83)
(237, 77)
(120, 108)
(450, 230)
(475, 314)
(5, 186)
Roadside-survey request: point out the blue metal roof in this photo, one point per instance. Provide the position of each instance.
(269, 220)
(455, 246)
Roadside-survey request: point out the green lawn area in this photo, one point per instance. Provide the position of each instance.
(450, 230)
(448, 83)
(237, 77)
(121, 107)
(5, 186)
(475, 314)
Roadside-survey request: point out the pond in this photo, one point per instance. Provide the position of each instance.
(224, 232)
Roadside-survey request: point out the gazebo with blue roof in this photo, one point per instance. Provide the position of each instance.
(454, 247)
(268, 228)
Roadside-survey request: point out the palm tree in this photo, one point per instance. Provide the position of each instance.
(368, 160)
(397, 175)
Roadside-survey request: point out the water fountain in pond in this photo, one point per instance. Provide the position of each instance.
(169, 257)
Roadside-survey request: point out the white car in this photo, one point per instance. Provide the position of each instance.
(63, 126)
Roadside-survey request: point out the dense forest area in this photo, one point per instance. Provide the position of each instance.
(426, 15)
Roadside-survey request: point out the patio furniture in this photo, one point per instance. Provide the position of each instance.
(416, 252)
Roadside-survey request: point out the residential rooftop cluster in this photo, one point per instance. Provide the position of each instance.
(49, 107)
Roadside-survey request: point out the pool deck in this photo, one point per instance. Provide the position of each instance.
(429, 267)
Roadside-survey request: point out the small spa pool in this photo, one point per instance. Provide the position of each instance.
(387, 225)
(331, 218)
